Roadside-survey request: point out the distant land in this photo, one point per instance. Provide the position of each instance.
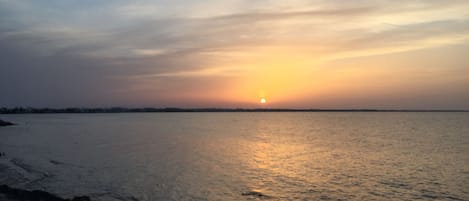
(28, 110)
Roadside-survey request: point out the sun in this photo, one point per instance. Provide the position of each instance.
(263, 101)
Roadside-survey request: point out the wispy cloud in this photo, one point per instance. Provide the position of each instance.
(110, 43)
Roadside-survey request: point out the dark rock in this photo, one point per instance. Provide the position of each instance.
(24, 195)
(255, 194)
(133, 198)
(6, 123)
(55, 162)
(35, 195)
(81, 198)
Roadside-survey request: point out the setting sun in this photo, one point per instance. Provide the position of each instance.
(263, 100)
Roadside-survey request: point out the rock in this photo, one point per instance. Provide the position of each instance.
(6, 123)
(55, 162)
(19, 194)
(35, 195)
(81, 198)
(255, 194)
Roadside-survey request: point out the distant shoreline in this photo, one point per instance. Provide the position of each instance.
(172, 110)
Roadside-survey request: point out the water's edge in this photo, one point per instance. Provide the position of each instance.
(10, 169)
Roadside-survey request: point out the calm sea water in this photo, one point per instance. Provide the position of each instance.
(239, 156)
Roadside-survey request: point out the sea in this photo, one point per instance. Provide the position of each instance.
(239, 155)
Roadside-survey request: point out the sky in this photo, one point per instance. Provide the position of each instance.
(380, 54)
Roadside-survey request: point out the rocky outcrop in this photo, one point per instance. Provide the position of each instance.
(6, 123)
(255, 194)
(14, 194)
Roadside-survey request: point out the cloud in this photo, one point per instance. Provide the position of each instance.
(69, 53)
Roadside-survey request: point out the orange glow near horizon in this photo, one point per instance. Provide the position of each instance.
(280, 72)
(294, 77)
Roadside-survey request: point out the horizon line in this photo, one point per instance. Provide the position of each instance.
(32, 110)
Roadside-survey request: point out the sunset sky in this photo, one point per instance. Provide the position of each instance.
(227, 53)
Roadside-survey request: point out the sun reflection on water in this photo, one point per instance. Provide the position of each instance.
(272, 158)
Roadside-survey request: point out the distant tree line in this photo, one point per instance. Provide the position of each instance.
(30, 110)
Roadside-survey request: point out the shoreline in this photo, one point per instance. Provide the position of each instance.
(10, 193)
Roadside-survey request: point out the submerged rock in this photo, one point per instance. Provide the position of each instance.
(56, 162)
(81, 198)
(35, 195)
(6, 123)
(255, 194)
